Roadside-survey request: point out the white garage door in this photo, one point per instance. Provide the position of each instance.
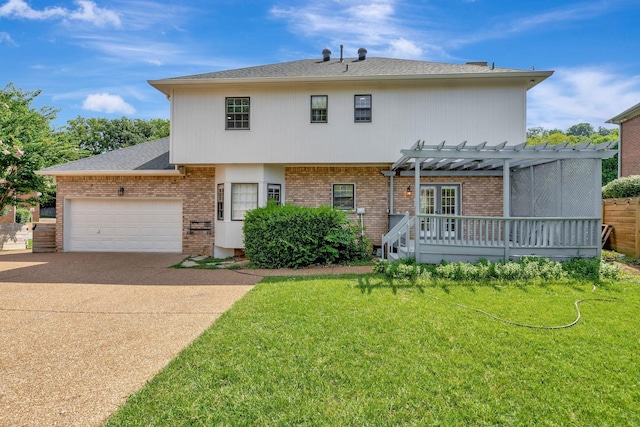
(123, 225)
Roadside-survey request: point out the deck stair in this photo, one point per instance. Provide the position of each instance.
(397, 243)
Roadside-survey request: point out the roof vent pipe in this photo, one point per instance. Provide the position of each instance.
(362, 54)
(341, 59)
(326, 55)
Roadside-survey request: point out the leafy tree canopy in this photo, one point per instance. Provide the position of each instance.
(99, 135)
(27, 144)
(577, 134)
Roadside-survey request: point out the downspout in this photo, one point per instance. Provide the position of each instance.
(390, 194)
(416, 210)
(506, 205)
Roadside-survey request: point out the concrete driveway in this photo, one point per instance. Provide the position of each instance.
(80, 332)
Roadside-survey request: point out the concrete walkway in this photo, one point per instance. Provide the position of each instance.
(81, 331)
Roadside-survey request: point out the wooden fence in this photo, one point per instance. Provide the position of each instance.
(44, 237)
(624, 216)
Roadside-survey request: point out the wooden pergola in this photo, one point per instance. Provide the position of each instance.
(506, 161)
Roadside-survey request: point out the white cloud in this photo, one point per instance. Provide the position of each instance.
(87, 11)
(403, 48)
(581, 95)
(20, 9)
(372, 24)
(107, 103)
(6, 38)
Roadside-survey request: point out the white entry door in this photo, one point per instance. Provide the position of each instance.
(441, 200)
(123, 225)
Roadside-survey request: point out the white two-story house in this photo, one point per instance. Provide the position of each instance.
(324, 131)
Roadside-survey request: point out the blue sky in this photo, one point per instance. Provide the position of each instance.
(92, 58)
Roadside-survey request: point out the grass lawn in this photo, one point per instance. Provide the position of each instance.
(359, 351)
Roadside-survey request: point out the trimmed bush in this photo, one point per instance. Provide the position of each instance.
(629, 186)
(23, 216)
(526, 268)
(295, 236)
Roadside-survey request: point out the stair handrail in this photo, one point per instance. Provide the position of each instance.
(394, 235)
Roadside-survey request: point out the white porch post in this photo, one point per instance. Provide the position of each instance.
(416, 210)
(506, 205)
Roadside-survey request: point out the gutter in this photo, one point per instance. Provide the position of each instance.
(535, 77)
(168, 172)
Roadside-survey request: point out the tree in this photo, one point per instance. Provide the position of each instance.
(576, 134)
(27, 144)
(581, 129)
(99, 135)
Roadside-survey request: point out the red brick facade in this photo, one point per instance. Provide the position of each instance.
(630, 147)
(304, 185)
(311, 186)
(196, 188)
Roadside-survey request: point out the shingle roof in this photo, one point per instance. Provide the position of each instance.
(368, 67)
(148, 156)
(626, 115)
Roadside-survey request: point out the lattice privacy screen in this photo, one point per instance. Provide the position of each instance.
(558, 188)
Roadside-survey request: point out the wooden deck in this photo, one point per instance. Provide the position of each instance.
(468, 238)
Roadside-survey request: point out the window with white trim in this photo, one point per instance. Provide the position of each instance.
(362, 108)
(220, 202)
(273, 192)
(319, 107)
(244, 197)
(237, 113)
(344, 196)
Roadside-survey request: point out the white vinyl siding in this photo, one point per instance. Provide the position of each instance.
(281, 131)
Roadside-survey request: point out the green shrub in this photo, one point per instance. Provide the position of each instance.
(591, 268)
(23, 216)
(629, 186)
(526, 268)
(294, 236)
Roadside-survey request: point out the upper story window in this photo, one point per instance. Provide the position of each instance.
(237, 113)
(362, 104)
(344, 196)
(319, 105)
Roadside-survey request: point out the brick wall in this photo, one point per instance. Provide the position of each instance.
(630, 152)
(196, 188)
(481, 195)
(311, 186)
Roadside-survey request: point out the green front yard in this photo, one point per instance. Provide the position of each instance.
(360, 351)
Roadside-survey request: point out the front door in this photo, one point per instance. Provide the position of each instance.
(439, 199)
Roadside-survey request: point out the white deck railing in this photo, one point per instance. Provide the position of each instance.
(467, 238)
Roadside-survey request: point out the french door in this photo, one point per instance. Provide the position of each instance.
(439, 199)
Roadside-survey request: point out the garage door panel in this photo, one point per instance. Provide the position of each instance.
(123, 225)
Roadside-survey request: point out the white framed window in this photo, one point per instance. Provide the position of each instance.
(344, 197)
(237, 113)
(273, 192)
(220, 202)
(362, 108)
(244, 197)
(319, 108)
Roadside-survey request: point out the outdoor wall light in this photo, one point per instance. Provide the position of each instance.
(121, 191)
(409, 191)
